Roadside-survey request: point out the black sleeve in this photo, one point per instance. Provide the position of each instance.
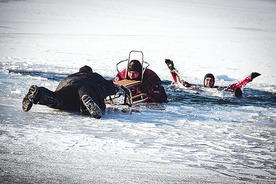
(107, 84)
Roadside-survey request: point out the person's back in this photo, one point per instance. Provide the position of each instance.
(68, 88)
(91, 79)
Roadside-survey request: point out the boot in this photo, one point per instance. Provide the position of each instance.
(30, 98)
(91, 106)
(253, 75)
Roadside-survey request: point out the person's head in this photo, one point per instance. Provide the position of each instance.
(85, 69)
(209, 80)
(134, 70)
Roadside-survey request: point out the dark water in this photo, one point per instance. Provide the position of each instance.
(251, 97)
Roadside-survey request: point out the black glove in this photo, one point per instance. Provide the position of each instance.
(120, 89)
(253, 75)
(169, 64)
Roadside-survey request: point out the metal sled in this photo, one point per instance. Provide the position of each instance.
(127, 84)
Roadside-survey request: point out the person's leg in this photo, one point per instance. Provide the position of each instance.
(91, 107)
(50, 98)
(243, 82)
(30, 98)
(240, 83)
(42, 96)
(70, 97)
(91, 102)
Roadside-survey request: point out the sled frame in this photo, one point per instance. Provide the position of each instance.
(127, 84)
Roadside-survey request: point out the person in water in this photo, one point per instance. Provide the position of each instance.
(151, 83)
(209, 80)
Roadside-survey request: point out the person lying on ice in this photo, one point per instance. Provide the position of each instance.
(84, 91)
(209, 80)
(151, 84)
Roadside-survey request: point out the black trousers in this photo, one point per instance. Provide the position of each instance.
(69, 98)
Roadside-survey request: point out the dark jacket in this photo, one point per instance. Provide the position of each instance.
(71, 88)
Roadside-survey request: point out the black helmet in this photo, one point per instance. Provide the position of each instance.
(135, 65)
(85, 69)
(210, 76)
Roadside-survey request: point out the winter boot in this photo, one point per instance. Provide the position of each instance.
(30, 98)
(253, 75)
(91, 106)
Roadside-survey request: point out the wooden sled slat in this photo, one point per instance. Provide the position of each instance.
(127, 83)
(139, 95)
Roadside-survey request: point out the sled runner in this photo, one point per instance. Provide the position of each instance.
(127, 84)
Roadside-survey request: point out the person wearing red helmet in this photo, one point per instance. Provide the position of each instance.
(209, 80)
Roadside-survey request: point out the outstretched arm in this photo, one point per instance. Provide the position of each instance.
(175, 75)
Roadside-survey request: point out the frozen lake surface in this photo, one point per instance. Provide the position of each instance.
(197, 137)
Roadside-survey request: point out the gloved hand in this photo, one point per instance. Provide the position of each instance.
(253, 75)
(120, 89)
(169, 64)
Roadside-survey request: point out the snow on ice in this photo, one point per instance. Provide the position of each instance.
(197, 137)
